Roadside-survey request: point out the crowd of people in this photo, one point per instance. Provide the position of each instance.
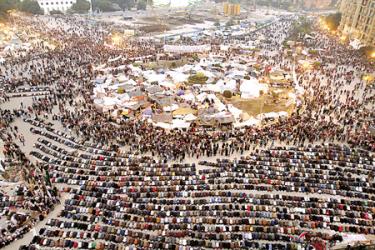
(271, 198)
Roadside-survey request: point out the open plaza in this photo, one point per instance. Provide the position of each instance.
(184, 128)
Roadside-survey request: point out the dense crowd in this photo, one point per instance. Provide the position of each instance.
(265, 200)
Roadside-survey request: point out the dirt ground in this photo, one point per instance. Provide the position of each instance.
(264, 104)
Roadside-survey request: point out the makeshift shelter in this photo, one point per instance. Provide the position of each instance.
(164, 117)
(248, 123)
(190, 117)
(252, 88)
(180, 124)
(154, 89)
(223, 85)
(170, 108)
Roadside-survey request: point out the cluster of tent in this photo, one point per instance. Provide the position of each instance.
(168, 98)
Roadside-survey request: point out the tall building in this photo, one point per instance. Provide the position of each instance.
(358, 20)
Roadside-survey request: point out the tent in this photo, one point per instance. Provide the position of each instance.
(170, 108)
(234, 111)
(188, 97)
(163, 125)
(2, 169)
(248, 123)
(190, 117)
(147, 112)
(230, 85)
(178, 123)
(251, 88)
(164, 118)
(178, 76)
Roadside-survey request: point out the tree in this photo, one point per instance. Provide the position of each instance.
(6, 5)
(55, 12)
(105, 5)
(125, 4)
(142, 5)
(198, 78)
(81, 7)
(30, 6)
(227, 94)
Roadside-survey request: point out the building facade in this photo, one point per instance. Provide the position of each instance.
(232, 9)
(358, 20)
(57, 5)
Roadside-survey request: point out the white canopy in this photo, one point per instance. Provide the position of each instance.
(190, 117)
(251, 88)
(226, 85)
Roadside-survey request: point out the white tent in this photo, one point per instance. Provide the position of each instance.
(210, 87)
(178, 76)
(190, 117)
(178, 123)
(226, 85)
(167, 84)
(132, 82)
(121, 78)
(188, 97)
(250, 122)
(152, 76)
(234, 111)
(171, 108)
(163, 125)
(1, 166)
(251, 88)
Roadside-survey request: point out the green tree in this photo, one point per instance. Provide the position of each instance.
(106, 6)
(55, 12)
(198, 78)
(125, 4)
(227, 94)
(6, 5)
(81, 6)
(141, 5)
(30, 6)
